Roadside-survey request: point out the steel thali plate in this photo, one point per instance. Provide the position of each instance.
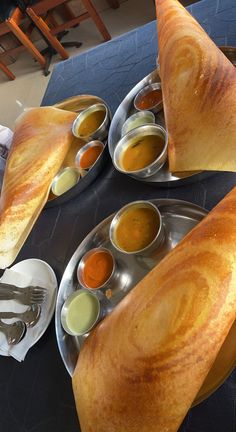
(179, 217)
(78, 104)
(163, 177)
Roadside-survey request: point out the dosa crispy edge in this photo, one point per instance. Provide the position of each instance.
(199, 93)
(41, 140)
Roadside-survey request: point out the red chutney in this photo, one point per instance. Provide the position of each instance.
(90, 157)
(150, 99)
(97, 270)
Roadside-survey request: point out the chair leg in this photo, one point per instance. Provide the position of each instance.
(97, 20)
(25, 41)
(7, 71)
(114, 4)
(66, 12)
(50, 20)
(40, 23)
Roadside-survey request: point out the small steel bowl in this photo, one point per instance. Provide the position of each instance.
(62, 173)
(83, 150)
(230, 53)
(81, 266)
(99, 133)
(141, 117)
(65, 308)
(130, 139)
(147, 89)
(155, 243)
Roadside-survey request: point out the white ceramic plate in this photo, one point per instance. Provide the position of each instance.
(40, 270)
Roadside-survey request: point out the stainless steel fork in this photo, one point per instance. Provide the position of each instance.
(29, 295)
(30, 317)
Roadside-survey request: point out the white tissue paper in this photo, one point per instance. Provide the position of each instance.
(6, 136)
(19, 351)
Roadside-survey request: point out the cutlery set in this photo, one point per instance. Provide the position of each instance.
(33, 296)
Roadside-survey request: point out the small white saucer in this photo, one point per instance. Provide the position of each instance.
(37, 269)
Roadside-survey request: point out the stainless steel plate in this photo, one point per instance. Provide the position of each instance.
(75, 104)
(179, 217)
(78, 104)
(230, 53)
(125, 110)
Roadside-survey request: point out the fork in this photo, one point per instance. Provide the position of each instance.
(29, 295)
(30, 317)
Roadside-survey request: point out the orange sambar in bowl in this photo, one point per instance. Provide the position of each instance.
(91, 123)
(142, 152)
(136, 228)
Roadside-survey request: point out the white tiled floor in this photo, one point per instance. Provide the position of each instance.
(30, 84)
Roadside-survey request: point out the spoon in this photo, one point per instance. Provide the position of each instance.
(30, 316)
(13, 332)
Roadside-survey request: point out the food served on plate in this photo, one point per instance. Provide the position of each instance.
(65, 179)
(70, 159)
(150, 356)
(135, 227)
(89, 125)
(222, 367)
(93, 122)
(88, 155)
(149, 98)
(96, 268)
(41, 140)
(199, 93)
(137, 119)
(80, 312)
(142, 152)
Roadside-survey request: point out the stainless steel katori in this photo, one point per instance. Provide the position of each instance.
(146, 90)
(83, 150)
(163, 177)
(157, 240)
(102, 131)
(178, 218)
(81, 266)
(103, 309)
(131, 139)
(139, 118)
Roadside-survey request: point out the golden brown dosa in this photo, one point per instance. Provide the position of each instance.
(199, 93)
(142, 367)
(41, 140)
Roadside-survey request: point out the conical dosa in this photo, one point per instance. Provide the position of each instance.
(41, 140)
(142, 367)
(199, 92)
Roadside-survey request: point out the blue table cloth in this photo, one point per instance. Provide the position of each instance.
(36, 396)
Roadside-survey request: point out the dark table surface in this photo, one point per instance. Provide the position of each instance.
(36, 395)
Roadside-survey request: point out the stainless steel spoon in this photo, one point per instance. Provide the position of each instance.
(13, 332)
(30, 316)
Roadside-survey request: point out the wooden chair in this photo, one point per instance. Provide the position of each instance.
(114, 4)
(37, 8)
(11, 18)
(7, 71)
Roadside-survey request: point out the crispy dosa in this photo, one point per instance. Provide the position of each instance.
(41, 141)
(199, 93)
(142, 367)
